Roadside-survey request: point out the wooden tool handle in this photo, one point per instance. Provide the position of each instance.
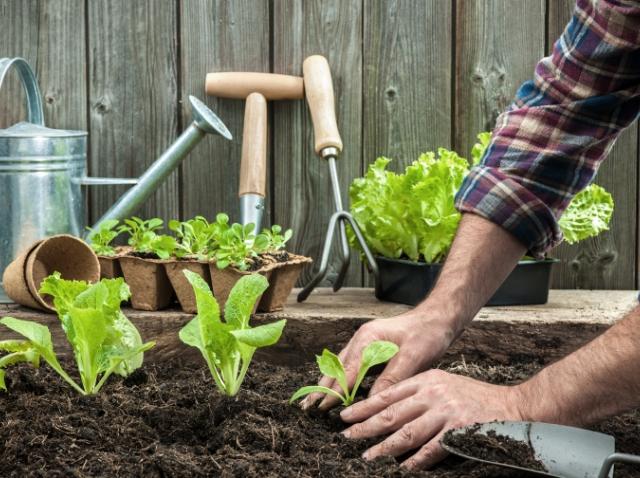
(242, 84)
(253, 166)
(319, 91)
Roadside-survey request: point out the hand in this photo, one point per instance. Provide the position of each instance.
(421, 339)
(419, 411)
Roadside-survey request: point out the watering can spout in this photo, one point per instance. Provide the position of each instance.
(204, 121)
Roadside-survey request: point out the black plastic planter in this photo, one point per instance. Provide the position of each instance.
(408, 282)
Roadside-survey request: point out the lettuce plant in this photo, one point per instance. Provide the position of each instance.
(103, 340)
(330, 365)
(102, 238)
(143, 237)
(587, 215)
(410, 214)
(194, 237)
(238, 245)
(276, 240)
(228, 345)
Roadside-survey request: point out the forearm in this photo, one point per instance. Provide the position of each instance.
(599, 380)
(481, 257)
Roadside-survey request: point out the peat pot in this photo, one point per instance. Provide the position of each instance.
(408, 282)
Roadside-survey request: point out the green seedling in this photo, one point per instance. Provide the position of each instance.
(228, 345)
(102, 238)
(237, 246)
(194, 237)
(330, 365)
(103, 340)
(143, 237)
(276, 240)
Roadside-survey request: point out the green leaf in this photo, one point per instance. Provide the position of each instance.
(261, 336)
(331, 366)
(63, 291)
(377, 352)
(588, 214)
(301, 392)
(206, 304)
(242, 300)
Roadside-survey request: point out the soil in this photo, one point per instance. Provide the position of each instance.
(144, 255)
(494, 447)
(168, 420)
(255, 263)
(281, 256)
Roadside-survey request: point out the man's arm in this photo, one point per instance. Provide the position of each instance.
(481, 257)
(599, 380)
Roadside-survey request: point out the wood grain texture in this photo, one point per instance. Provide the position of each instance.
(609, 260)
(498, 43)
(218, 36)
(407, 81)
(553, 330)
(132, 96)
(303, 198)
(50, 36)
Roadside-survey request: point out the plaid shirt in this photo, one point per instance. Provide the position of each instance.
(549, 143)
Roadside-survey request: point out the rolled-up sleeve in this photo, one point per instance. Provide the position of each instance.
(549, 143)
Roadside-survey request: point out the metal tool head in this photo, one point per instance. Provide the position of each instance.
(206, 119)
(566, 452)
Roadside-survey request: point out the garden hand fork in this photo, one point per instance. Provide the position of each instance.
(328, 145)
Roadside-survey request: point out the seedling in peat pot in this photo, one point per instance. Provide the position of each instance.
(228, 346)
(237, 246)
(102, 238)
(276, 240)
(330, 365)
(194, 237)
(103, 340)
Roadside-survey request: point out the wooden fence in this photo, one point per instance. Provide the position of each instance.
(410, 76)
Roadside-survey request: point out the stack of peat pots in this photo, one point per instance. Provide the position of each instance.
(68, 255)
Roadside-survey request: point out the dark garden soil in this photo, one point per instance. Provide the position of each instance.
(494, 447)
(282, 256)
(169, 421)
(144, 255)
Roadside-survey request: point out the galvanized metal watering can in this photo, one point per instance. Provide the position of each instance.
(43, 171)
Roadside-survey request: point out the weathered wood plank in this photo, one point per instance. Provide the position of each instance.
(219, 36)
(407, 81)
(132, 96)
(568, 320)
(303, 198)
(498, 43)
(51, 37)
(608, 261)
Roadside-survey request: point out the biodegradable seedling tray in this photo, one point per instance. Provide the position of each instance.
(407, 282)
(148, 281)
(183, 289)
(110, 265)
(283, 279)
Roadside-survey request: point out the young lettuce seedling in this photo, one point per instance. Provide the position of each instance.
(102, 238)
(228, 346)
(103, 340)
(276, 240)
(238, 245)
(330, 365)
(194, 237)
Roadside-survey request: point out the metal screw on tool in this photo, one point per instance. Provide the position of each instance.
(204, 121)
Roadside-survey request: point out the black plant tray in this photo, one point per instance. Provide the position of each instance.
(408, 282)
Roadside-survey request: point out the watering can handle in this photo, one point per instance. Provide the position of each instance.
(30, 84)
(617, 458)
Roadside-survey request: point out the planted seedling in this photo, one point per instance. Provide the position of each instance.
(276, 241)
(330, 365)
(144, 239)
(194, 237)
(103, 340)
(102, 238)
(228, 346)
(238, 247)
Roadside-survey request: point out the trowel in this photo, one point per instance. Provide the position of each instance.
(566, 452)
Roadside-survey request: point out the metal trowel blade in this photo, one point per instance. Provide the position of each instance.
(566, 452)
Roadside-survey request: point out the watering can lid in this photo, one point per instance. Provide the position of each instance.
(30, 130)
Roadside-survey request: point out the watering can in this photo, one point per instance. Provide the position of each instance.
(43, 171)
